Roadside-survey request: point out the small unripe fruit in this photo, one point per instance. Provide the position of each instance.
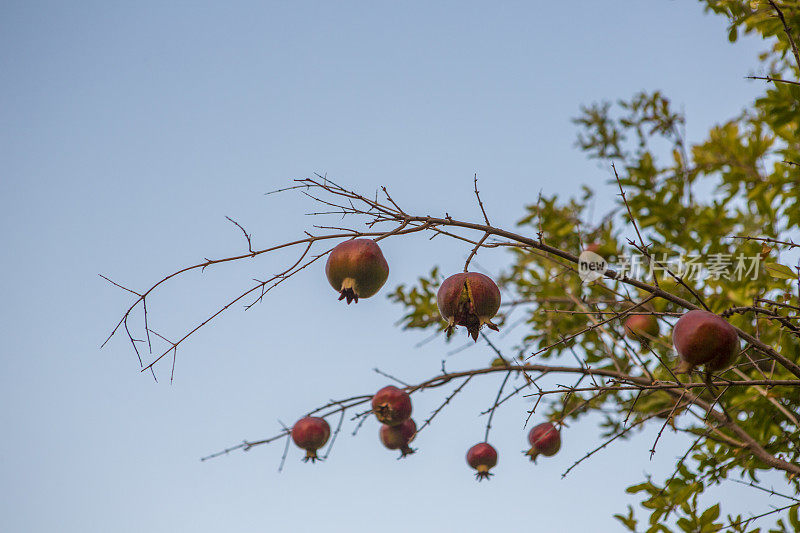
(392, 406)
(482, 457)
(357, 269)
(311, 433)
(399, 437)
(544, 439)
(703, 338)
(642, 328)
(468, 299)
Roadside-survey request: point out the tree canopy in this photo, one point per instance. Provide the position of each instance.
(707, 225)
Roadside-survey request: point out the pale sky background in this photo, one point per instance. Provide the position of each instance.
(128, 131)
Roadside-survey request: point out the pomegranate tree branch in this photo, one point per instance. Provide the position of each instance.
(771, 79)
(264, 285)
(389, 197)
(475, 251)
(358, 204)
(746, 521)
(749, 442)
(335, 434)
(246, 235)
(630, 214)
(770, 491)
(480, 202)
(207, 263)
(787, 31)
(612, 439)
(120, 286)
(770, 240)
(494, 406)
(445, 403)
(769, 314)
(664, 425)
(677, 278)
(275, 280)
(622, 382)
(610, 274)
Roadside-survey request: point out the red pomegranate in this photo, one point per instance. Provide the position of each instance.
(357, 269)
(642, 328)
(703, 338)
(468, 299)
(398, 437)
(544, 439)
(311, 433)
(392, 406)
(482, 457)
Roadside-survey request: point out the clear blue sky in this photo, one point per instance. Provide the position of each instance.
(129, 130)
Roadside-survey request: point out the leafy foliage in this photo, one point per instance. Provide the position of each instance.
(732, 196)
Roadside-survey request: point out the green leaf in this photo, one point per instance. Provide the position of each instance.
(793, 518)
(709, 515)
(628, 521)
(638, 488)
(777, 270)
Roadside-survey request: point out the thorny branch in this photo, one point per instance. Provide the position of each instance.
(788, 31)
(621, 382)
(357, 204)
(385, 219)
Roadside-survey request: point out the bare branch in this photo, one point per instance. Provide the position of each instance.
(246, 235)
(771, 79)
(480, 203)
(788, 32)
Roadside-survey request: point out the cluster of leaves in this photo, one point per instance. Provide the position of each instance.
(731, 199)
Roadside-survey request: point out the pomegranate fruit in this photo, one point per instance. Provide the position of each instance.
(357, 269)
(398, 437)
(392, 406)
(703, 338)
(482, 457)
(468, 299)
(311, 433)
(642, 328)
(544, 439)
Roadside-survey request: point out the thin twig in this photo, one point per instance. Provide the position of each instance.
(246, 235)
(480, 202)
(787, 31)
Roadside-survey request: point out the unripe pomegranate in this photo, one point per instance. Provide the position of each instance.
(545, 439)
(482, 457)
(311, 433)
(642, 328)
(703, 338)
(468, 299)
(398, 437)
(357, 269)
(392, 406)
